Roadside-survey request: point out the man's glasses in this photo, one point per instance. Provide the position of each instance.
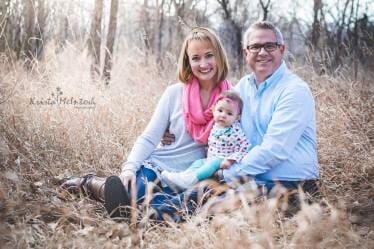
(269, 47)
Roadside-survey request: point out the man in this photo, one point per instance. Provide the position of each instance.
(278, 116)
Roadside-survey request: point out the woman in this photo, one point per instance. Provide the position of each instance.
(185, 110)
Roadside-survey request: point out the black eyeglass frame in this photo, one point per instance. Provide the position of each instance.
(258, 49)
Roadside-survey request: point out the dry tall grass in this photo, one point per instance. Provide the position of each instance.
(41, 144)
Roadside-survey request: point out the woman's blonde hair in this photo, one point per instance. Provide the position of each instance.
(202, 34)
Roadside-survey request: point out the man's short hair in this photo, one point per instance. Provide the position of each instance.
(263, 25)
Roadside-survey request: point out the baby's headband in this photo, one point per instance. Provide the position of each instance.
(227, 99)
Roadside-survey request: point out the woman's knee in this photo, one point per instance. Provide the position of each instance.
(143, 177)
(146, 175)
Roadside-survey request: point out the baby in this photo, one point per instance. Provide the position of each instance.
(227, 145)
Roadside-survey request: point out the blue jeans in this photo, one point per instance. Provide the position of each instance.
(143, 176)
(166, 202)
(175, 205)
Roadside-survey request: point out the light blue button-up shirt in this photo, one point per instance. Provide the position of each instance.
(278, 118)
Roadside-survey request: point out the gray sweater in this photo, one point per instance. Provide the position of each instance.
(175, 157)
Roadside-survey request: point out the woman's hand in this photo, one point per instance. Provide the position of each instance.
(168, 138)
(127, 177)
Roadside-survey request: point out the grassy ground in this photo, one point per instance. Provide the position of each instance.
(42, 143)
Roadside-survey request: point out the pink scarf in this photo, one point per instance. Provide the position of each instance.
(199, 122)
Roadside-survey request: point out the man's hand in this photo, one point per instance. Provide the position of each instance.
(127, 177)
(168, 138)
(226, 163)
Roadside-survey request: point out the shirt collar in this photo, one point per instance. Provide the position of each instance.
(271, 80)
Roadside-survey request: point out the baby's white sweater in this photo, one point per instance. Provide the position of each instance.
(175, 157)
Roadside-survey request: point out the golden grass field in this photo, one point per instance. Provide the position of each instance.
(41, 144)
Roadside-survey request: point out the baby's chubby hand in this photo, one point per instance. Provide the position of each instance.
(226, 163)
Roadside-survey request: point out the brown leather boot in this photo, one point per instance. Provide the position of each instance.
(109, 190)
(90, 185)
(117, 200)
(94, 188)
